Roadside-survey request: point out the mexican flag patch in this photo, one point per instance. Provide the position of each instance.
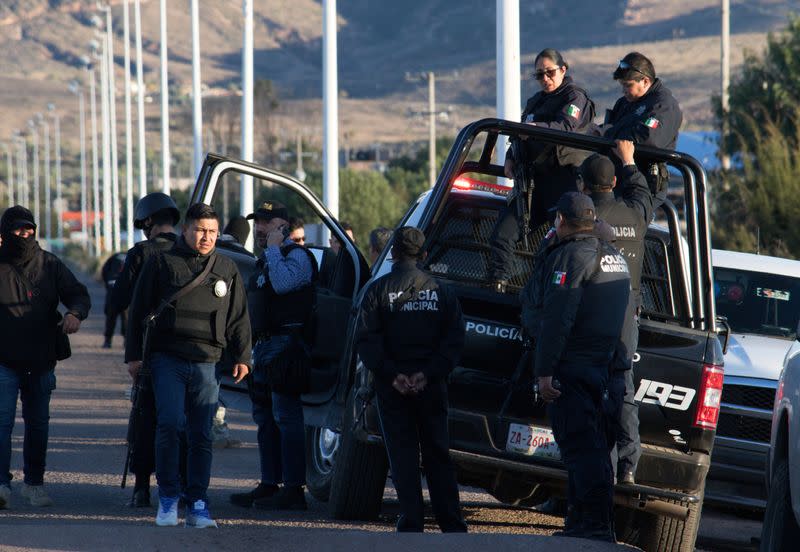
(652, 122)
(573, 111)
(559, 278)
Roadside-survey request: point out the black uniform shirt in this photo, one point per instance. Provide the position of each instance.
(410, 323)
(137, 256)
(653, 120)
(585, 287)
(628, 215)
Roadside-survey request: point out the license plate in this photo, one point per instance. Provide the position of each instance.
(532, 441)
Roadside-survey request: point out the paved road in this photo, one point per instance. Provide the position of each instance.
(88, 423)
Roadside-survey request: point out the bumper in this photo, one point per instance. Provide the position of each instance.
(737, 474)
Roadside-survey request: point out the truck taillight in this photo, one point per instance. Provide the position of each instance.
(710, 397)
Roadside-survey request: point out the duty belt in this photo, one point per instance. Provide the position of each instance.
(264, 335)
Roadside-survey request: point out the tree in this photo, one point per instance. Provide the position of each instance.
(367, 201)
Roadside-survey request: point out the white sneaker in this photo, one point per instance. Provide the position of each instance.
(36, 495)
(167, 515)
(197, 516)
(5, 497)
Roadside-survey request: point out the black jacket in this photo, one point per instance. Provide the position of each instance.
(584, 288)
(628, 215)
(202, 323)
(653, 120)
(410, 323)
(29, 315)
(567, 108)
(137, 256)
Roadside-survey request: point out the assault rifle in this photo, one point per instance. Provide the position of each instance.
(524, 185)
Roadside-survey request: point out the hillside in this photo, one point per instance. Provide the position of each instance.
(41, 43)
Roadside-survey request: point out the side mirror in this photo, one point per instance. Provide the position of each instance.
(723, 332)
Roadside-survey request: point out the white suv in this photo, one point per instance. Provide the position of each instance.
(760, 297)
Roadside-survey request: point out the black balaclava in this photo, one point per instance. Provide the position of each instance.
(16, 248)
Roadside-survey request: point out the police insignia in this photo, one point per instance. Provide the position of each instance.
(640, 110)
(652, 122)
(261, 280)
(573, 111)
(220, 288)
(559, 278)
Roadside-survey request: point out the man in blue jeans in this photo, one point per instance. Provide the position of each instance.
(32, 284)
(280, 294)
(203, 310)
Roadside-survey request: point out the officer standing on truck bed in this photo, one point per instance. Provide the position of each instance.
(410, 336)
(585, 285)
(628, 215)
(156, 216)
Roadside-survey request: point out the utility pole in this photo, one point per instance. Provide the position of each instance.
(197, 100)
(126, 25)
(95, 163)
(48, 232)
(140, 91)
(78, 90)
(432, 114)
(112, 98)
(104, 97)
(35, 171)
(246, 191)
(10, 171)
(59, 196)
(508, 72)
(299, 173)
(165, 155)
(725, 54)
(330, 113)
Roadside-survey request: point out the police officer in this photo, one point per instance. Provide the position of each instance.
(560, 105)
(281, 295)
(111, 270)
(584, 284)
(32, 285)
(410, 337)
(628, 215)
(156, 215)
(186, 342)
(647, 113)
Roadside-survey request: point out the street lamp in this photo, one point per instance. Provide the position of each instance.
(35, 171)
(59, 198)
(48, 214)
(93, 46)
(10, 170)
(77, 89)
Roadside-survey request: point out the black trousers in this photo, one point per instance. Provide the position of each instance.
(580, 420)
(549, 187)
(111, 318)
(411, 425)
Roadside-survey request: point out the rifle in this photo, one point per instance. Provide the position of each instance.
(524, 184)
(137, 396)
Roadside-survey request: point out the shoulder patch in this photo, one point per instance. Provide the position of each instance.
(559, 278)
(573, 111)
(652, 122)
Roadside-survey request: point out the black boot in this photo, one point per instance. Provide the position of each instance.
(140, 498)
(262, 491)
(107, 343)
(287, 498)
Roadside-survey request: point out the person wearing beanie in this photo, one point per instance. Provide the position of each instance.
(410, 336)
(33, 283)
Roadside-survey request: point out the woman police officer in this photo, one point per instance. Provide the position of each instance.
(559, 105)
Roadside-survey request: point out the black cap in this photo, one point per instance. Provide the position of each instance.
(597, 171)
(16, 217)
(270, 210)
(408, 241)
(239, 228)
(151, 204)
(576, 207)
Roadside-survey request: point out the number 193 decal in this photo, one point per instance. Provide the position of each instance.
(664, 394)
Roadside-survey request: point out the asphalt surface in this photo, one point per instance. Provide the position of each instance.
(89, 413)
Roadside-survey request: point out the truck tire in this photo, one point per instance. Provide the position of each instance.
(780, 530)
(322, 446)
(662, 533)
(359, 474)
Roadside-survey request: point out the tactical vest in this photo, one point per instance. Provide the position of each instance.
(629, 232)
(270, 311)
(200, 315)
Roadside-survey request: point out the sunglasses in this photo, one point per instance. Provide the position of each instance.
(301, 239)
(539, 75)
(626, 65)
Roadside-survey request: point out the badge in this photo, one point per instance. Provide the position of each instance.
(640, 109)
(261, 281)
(220, 288)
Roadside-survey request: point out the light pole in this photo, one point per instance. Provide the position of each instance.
(112, 98)
(725, 55)
(48, 232)
(95, 163)
(10, 172)
(246, 192)
(165, 155)
(508, 72)
(35, 171)
(77, 89)
(197, 100)
(128, 135)
(330, 113)
(107, 211)
(59, 196)
(23, 193)
(137, 16)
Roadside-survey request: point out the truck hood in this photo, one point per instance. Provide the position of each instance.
(755, 356)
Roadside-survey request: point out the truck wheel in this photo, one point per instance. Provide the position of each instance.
(662, 533)
(780, 530)
(322, 446)
(359, 474)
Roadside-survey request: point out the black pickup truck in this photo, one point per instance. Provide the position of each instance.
(500, 437)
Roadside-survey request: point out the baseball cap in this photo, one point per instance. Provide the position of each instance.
(576, 206)
(597, 171)
(408, 241)
(270, 210)
(16, 217)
